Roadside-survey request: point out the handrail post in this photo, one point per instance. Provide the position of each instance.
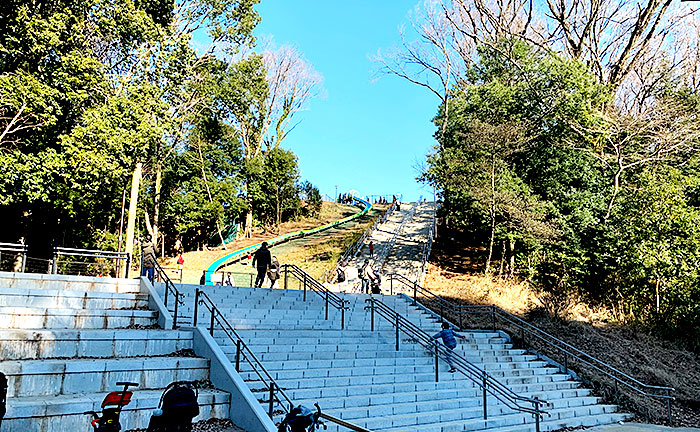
(391, 284)
(54, 262)
(211, 326)
(286, 275)
(668, 407)
(437, 370)
(537, 414)
(272, 399)
(251, 280)
(326, 292)
(304, 278)
(371, 309)
(238, 355)
(461, 324)
(165, 296)
(493, 317)
(126, 270)
(484, 383)
(342, 315)
(177, 300)
(196, 307)
(415, 293)
(442, 311)
(397, 332)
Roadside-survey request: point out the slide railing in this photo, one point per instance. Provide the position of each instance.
(240, 253)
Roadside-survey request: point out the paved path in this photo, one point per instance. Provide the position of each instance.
(398, 245)
(638, 427)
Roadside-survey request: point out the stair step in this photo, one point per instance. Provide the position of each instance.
(101, 343)
(75, 376)
(66, 412)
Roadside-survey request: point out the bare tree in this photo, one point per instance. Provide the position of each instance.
(292, 83)
(433, 61)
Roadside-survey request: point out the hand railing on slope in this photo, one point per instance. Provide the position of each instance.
(386, 251)
(356, 247)
(459, 313)
(276, 394)
(170, 291)
(307, 282)
(487, 383)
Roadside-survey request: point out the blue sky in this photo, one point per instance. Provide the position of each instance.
(365, 134)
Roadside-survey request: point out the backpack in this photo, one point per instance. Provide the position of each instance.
(341, 276)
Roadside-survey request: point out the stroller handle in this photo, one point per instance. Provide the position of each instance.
(127, 384)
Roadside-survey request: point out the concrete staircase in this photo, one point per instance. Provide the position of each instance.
(357, 374)
(65, 341)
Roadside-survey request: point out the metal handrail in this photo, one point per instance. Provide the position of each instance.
(89, 253)
(317, 287)
(17, 248)
(458, 311)
(162, 275)
(487, 383)
(276, 393)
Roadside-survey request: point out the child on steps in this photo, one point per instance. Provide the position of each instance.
(448, 338)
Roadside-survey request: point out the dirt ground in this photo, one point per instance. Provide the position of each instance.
(454, 273)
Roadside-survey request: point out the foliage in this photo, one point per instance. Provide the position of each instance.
(90, 88)
(582, 200)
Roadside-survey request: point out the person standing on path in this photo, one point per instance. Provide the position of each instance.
(203, 279)
(371, 249)
(274, 272)
(448, 338)
(263, 258)
(148, 258)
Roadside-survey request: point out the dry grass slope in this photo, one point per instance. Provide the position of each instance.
(453, 273)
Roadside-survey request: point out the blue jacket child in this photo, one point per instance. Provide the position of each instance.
(448, 338)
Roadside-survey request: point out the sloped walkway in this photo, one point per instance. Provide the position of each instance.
(398, 244)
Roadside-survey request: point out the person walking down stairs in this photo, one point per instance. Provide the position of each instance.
(263, 258)
(448, 338)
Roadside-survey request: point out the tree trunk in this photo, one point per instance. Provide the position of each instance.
(156, 206)
(278, 212)
(503, 259)
(492, 212)
(511, 269)
(206, 184)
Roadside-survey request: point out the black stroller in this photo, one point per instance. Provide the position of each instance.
(301, 419)
(177, 407)
(3, 396)
(111, 409)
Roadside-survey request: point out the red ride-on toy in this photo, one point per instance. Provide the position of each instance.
(111, 409)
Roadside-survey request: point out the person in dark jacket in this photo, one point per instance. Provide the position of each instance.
(263, 259)
(148, 260)
(448, 338)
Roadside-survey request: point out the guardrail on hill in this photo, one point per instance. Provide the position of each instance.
(491, 315)
(240, 253)
(488, 384)
(14, 249)
(276, 393)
